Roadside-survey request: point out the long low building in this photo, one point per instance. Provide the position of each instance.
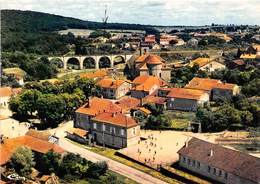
(219, 163)
(217, 89)
(183, 99)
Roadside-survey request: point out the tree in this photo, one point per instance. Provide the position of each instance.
(22, 161)
(158, 122)
(73, 164)
(50, 162)
(51, 109)
(98, 169)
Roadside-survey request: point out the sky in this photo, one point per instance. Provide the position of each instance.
(155, 12)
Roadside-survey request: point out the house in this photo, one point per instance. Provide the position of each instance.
(38, 146)
(6, 93)
(166, 39)
(215, 88)
(156, 100)
(150, 39)
(114, 130)
(141, 111)
(205, 64)
(146, 85)
(224, 91)
(114, 89)
(152, 65)
(184, 99)
(92, 108)
(219, 163)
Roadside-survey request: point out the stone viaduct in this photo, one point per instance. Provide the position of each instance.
(96, 59)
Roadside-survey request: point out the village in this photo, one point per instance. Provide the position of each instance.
(165, 109)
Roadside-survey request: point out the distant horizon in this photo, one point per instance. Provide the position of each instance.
(149, 12)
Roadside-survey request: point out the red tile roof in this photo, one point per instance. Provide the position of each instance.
(145, 83)
(10, 145)
(154, 99)
(111, 83)
(117, 119)
(150, 59)
(231, 161)
(8, 91)
(96, 106)
(185, 93)
(127, 103)
(202, 84)
(78, 131)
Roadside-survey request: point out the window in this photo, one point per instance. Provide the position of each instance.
(133, 130)
(94, 125)
(220, 173)
(209, 168)
(183, 159)
(188, 161)
(104, 127)
(198, 164)
(214, 171)
(226, 175)
(193, 163)
(122, 132)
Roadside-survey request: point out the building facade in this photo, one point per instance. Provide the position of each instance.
(185, 99)
(114, 89)
(219, 163)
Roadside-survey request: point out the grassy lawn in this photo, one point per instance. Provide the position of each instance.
(180, 119)
(111, 153)
(180, 124)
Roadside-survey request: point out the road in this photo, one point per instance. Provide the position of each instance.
(115, 166)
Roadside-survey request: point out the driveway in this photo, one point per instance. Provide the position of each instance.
(115, 166)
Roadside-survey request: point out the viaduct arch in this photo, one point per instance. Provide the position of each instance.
(93, 61)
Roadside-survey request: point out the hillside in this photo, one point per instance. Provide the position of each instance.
(32, 32)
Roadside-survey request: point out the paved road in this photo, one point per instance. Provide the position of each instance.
(115, 166)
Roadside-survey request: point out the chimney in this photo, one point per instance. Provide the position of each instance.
(113, 114)
(186, 144)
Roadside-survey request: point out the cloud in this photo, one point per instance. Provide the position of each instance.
(159, 12)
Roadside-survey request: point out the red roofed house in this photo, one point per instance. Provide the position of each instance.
(219, 163)
(115, 130)
(37, 145)
(184, 99)
(152, 65)
(150, 39)
(114, 89)
(92, 108)
(215, 88)
(146, 85)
